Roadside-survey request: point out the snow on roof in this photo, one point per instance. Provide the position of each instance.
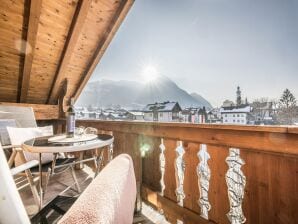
(165, 106)
(236, 109)
(136, 113)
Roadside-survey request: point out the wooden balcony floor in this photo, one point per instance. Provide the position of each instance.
(58, 183)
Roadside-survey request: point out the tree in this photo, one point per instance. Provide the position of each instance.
(287, 100)
(288, 110)
(261, 107)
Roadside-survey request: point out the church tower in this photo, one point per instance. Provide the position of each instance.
(238, 96)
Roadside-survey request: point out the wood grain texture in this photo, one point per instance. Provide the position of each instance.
(271, 190)
(52, 40)
(191, 187)
(41, 111)
(170, 173)
(11, 45)
(172, 211)
(271, 139)
(218, 191)
(72, 38)
(271, 175)
(34, 14)
(111, 29)
(55, 22)
(151, 173)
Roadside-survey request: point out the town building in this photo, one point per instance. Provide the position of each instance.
(194, 115)
(163, 112)
(264, 112)
(135, 115)
(214, 116)
(238, 113)
(235, 114)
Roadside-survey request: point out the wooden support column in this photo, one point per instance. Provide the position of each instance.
(61, 96)
(34, 14)
(72, 38)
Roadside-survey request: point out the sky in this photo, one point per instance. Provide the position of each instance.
(209, 46)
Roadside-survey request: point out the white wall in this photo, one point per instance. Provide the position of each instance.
(165, 116)
(148, 116)
(234, 118)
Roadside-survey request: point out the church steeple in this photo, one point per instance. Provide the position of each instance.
(238, 96)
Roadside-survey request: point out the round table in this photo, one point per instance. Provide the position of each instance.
(42, 145)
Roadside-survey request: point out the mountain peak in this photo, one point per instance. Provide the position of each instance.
(128, 94)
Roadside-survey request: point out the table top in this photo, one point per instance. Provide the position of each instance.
(42, 145)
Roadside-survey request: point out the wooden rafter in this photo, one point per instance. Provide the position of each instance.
(73, 35)
(34, 14)
(102, 46)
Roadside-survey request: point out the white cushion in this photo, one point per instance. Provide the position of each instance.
(46, 130)
(19, 135)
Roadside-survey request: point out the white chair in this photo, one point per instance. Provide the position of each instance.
(109, 199)
(23, 171)
(9, 196)
(24, 118)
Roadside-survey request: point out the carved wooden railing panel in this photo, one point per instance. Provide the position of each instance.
(179, 173)
(236, 182)
(162, 164)
(264, 188)
(204, 175)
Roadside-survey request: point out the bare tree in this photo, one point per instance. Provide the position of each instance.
(262, 107)
(288, 110)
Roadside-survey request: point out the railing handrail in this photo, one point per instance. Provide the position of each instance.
(266, 128)
(273, 139)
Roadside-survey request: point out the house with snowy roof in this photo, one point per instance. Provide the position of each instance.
(163, 112)
(236, 114)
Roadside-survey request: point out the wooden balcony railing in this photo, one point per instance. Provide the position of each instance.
(212, 173)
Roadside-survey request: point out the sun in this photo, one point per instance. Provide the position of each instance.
(149, 73)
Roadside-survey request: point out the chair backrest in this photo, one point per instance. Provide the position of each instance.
(24, 116)
(116, 201)
(12, 209)
(4, 136)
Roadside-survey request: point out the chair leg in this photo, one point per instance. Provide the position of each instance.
(47, 178)
(31, 181)
(75, 179)
(12, 158)
(33, 187)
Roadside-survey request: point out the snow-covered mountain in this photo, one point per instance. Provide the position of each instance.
(135, 95)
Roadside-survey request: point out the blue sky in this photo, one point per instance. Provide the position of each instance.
(209, 46)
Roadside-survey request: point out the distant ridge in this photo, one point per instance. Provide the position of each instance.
(135, 95)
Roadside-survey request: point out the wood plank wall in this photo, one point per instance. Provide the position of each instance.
(41, 111)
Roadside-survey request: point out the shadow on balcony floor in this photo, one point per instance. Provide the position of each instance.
(58, 183)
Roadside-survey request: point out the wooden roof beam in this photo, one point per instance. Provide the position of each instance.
(102, 46)
(72, 38)
(34, 14)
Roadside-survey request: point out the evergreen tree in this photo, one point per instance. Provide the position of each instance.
(287, 100)
(288, 110)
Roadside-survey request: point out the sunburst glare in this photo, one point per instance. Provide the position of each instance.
(149, 73)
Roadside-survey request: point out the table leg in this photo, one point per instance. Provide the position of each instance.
(98, 161)
(40, 182)
(110, 148)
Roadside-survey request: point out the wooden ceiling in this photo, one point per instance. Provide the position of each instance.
(45, 42)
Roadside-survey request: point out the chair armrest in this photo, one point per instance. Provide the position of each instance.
(24, 167)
